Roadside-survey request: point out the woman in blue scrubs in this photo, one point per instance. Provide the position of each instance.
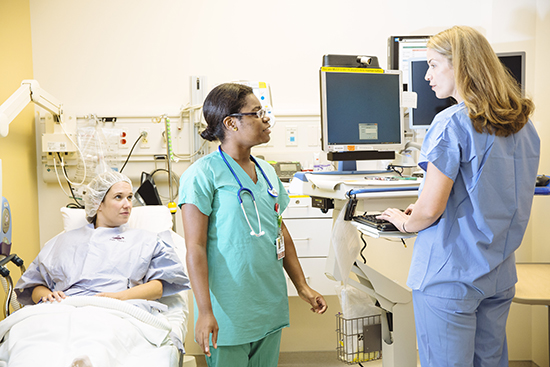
(237, 243)
(481, 158)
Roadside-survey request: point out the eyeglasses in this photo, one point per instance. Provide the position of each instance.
(260, 114)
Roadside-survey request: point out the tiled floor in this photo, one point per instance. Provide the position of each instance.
(328, 359)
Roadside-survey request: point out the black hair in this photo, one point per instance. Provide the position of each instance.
(222, 101)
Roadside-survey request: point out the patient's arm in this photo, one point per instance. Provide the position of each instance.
(44, 294)
(150, 291)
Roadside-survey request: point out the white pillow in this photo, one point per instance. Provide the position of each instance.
(155, 218)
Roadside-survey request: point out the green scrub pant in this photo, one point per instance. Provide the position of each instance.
(262, 353)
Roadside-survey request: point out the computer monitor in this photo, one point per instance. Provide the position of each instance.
(361, 116)
(515, 63)
(403, 48)
(428, 105)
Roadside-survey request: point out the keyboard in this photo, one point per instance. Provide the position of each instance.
(379, 224)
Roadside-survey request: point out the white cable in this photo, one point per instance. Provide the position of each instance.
(57, 175)
(65, 174)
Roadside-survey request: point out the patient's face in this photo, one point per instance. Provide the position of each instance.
(116, 206)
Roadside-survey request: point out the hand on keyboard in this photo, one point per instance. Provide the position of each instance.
(371, 220)
(397, 217)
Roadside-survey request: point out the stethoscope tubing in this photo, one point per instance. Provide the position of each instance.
(271, 191)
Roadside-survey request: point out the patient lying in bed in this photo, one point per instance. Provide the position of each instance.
(104, 258)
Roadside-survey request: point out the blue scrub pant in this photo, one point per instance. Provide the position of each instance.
(262, 353)
(462, 332)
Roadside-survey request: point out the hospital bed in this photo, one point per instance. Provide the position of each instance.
(116, 333)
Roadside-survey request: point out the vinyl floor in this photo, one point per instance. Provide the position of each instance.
(329, 359)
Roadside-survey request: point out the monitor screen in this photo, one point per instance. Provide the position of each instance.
(403, 48)
(361, 110)
(427, 104)
(515, 63)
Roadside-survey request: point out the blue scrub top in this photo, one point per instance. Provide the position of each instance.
(469, 251)
(247, 283)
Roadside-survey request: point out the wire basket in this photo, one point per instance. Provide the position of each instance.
(359, 339)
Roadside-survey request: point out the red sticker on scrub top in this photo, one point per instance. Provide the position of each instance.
(277, 207)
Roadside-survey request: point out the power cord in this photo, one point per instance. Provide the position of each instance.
(364, 247)
(142, 135)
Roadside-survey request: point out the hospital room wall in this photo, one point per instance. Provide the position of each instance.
(117, 57)
(540, 244)
(17, 150)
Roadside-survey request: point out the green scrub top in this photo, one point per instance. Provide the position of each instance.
(247, 283)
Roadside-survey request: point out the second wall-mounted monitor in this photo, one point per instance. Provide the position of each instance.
(515, 63)
(428, 105)
(401, 49)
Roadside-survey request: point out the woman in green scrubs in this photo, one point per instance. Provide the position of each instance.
(237, 243)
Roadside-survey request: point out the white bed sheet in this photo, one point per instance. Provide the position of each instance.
(110, 332)
(55, 334)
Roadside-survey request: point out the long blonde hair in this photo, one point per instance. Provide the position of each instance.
(493, 97)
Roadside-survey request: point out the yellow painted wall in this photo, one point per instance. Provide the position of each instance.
(18, 149)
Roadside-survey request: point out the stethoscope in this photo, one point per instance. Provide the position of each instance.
(271, 191)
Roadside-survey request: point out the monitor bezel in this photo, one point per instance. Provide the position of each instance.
(395, 58)
(523, 56)
(376, 147)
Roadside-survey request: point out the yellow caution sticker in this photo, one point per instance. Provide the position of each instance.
(352, 70)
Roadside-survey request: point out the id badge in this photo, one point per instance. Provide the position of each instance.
(280, 246)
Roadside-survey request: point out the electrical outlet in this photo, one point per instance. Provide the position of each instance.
(144, 144)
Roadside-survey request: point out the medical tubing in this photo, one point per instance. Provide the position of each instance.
(8, 285)
(117, 305)
(189, 156)
(171, 176)
(68, 183)
(8, 288)
(8, 301)
(58, 179)
(61, 123)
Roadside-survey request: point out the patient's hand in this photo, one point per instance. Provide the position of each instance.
(54, 296)
(41, 293)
